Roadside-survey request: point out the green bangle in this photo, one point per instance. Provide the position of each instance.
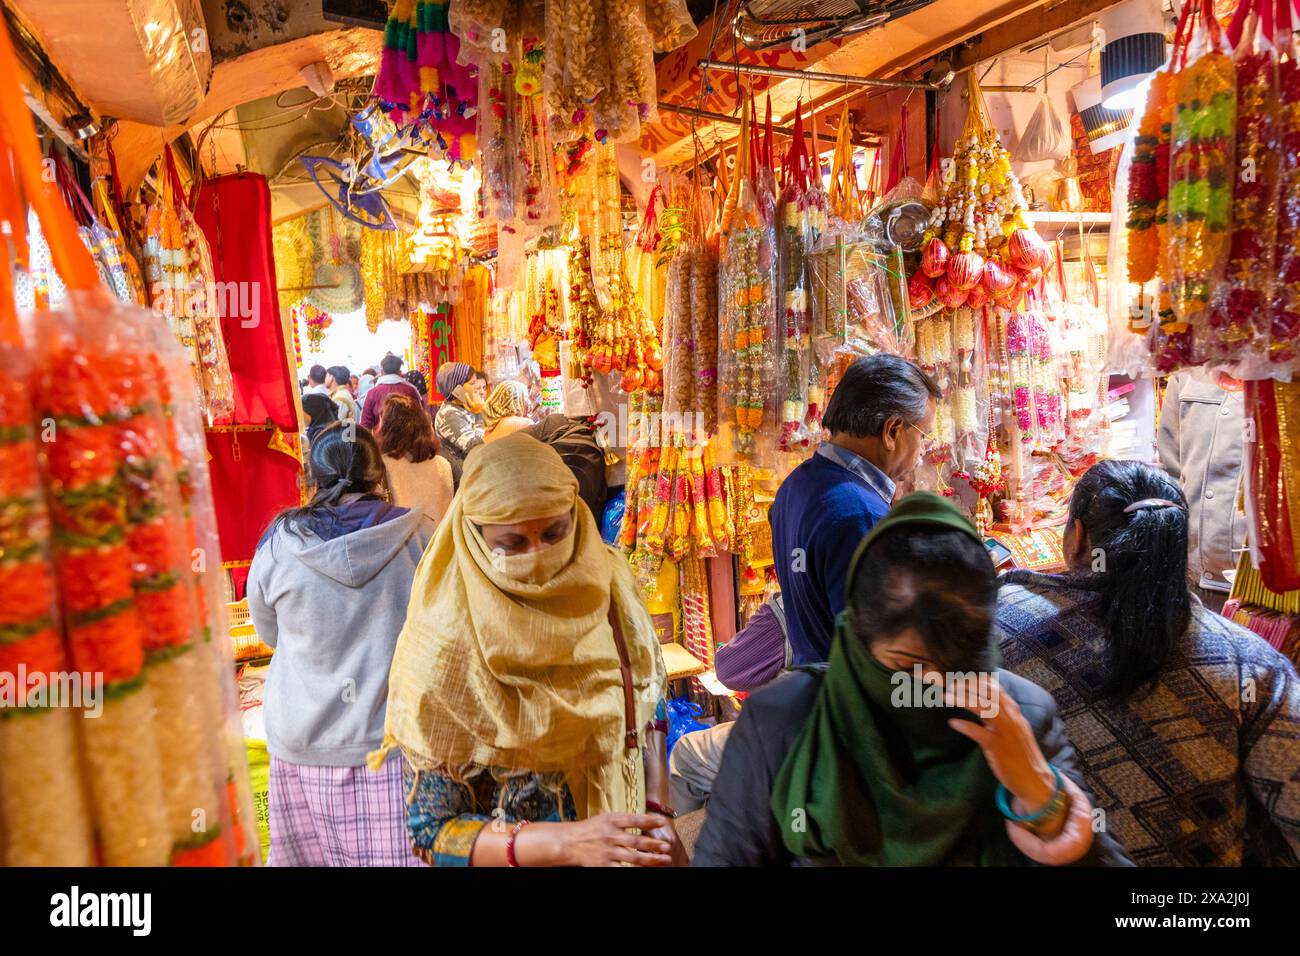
(1046, 811)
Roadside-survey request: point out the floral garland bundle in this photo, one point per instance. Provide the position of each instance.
(1202, 172)
(1286, 293)
(157, 537)
(979, 244)
(599, 77)
(203, 671)
(704, 331)
(316, 321)
(178, 267)
(746, 363)
(46, 819)
(679, 346)
(934, 353)
(796, 319)
(1035, 392)
(1240, 305)
(86, 399)
(1148, 190)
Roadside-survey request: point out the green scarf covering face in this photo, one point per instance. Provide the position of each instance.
(869, 783)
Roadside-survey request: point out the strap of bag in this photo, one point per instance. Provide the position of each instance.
(630, 736)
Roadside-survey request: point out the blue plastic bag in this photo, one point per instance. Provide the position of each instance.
(682, 714)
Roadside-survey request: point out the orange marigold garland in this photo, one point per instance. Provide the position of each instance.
(42, 798)
(80, 388)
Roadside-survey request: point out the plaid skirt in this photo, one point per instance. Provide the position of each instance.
(338, 816)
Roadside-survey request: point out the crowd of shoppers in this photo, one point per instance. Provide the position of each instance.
(906, 705)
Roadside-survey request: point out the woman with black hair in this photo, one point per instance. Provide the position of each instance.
(328, 591)
(321, 412)
(910, 747)
(1186, 724)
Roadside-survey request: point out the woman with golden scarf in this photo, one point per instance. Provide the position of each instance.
(526, 682)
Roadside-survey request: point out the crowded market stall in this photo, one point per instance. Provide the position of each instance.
(680, 249)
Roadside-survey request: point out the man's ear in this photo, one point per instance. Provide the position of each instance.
(889, 434)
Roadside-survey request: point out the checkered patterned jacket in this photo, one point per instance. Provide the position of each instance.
(1203, 770)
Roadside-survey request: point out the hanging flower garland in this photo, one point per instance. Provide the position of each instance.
(315, 321)
(978, 234)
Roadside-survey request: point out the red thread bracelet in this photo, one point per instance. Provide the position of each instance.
(654, 807)
(510, 843)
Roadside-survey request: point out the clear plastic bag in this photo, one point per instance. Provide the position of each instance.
(670, 24)
(1128, 307)
(1286, 294)
(1046, 136)
(1202, 163)
(1240, 305)
(747, 329)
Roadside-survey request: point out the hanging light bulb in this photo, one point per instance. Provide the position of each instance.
(1135, 47)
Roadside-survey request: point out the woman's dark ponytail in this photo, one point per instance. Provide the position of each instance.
(1139, 558)
(345, 459)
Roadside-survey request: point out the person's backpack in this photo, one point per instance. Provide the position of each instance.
(575, 440)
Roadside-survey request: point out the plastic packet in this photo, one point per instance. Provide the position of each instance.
(1202, 160)
(47, 820)
(670, 24)
(1046, 137)
(747, 328)
(1286, 292)
(1128, 351)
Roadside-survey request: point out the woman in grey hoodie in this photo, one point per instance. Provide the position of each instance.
(328, 591)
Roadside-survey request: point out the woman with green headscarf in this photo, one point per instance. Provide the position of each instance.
(910, 747)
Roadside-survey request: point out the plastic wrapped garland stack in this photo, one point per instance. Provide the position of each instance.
(950, 348)
(126, 545)
(1240, 305)
(690, 338)
(1201, 169)
(518, 185)
(747, 329)
(799, 376)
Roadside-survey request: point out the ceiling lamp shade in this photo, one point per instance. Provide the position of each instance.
(1135, 47)
(1104, 127)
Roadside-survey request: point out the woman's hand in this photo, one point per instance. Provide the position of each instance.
(668, 834)
(1008, 743)
(604, 841)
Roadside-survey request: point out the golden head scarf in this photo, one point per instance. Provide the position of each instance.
(507, 398)
(512, 669)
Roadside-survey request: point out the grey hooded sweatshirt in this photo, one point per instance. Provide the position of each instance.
(331, 603)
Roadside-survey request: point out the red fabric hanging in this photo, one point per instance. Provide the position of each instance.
(251, 481)
(251, 484)
(242, 254)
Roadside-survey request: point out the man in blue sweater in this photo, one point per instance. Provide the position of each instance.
(879, 420)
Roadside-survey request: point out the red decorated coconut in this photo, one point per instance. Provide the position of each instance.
(1030, 279)
(919, 291)
(977, 297)
(997, 277)
(949, 296)
(1026, 249)
(965, 270)
(934, 259)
